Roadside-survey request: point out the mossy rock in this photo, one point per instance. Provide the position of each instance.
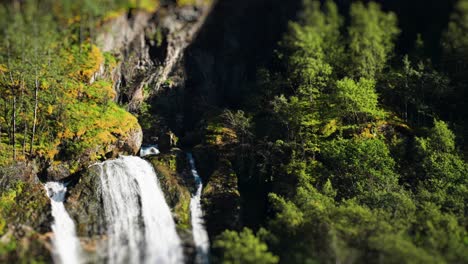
(176, 182)
(25, 217)
(27, 204)
(221, 200)
(219, 135)
(220, 197)
(21, 244)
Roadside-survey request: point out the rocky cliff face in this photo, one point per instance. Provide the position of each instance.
(148, 48)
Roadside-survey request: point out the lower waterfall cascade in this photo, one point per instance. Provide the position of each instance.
(139, 221)
(66, 246)
(200, 235)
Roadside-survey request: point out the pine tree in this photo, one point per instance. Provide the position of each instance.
(455, 39)
(372, 34)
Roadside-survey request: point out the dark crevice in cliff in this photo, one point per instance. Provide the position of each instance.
(222, 62)
(221, 65)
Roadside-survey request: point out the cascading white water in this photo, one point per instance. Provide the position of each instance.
(67, 248)
(140, 224)
(200, 235)
(149, 150)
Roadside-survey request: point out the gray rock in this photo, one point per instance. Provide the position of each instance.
(58, 172)
(188, 14)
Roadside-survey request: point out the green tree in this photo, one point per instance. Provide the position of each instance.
(240, 123)
(455, 39)
(454, 62)
(327, 21)
(29, 58)
(242, 247)
(417, 91)
(371, 39)
(356, 100)
(441, 234)
(299, 230)
(300, 118)
(305, 59)
(442, 172)
(358, 168)
(307, 73)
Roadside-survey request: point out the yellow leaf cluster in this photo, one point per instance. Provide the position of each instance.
(91, 64)
(147, 5)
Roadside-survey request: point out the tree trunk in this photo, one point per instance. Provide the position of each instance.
(24, 138)
(13, 138)
(36, 95)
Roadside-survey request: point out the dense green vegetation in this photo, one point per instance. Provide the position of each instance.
(52, 105)
(349, 147)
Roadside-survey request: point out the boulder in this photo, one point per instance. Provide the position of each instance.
(132, 142)
(57, 172)
(220, 198)
(129, 144)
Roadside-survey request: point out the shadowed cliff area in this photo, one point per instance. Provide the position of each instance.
(221, 63)
(428, 18)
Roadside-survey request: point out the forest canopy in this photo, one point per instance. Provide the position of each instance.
(359, 160)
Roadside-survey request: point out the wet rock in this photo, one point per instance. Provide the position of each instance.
(220, 197)
(57, 172)
(221, 200)
(176, 182)
(188, 244)
(26, 203)
(84, 203)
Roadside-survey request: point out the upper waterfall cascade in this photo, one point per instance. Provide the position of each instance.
(66, 245)
(149, 150)
(200, 235)
(140, 224)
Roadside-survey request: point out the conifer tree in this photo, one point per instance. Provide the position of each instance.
(372, 34)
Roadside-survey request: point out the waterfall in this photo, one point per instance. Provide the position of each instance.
(66, 245)
(140, 224)
(149, 150)
(200, 235)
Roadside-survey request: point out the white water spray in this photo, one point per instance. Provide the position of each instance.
(200, 235)
(140, 224)
(149, 150)
(67, 248)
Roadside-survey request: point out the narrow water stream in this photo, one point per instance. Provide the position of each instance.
(200, 235)
(66, 246)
